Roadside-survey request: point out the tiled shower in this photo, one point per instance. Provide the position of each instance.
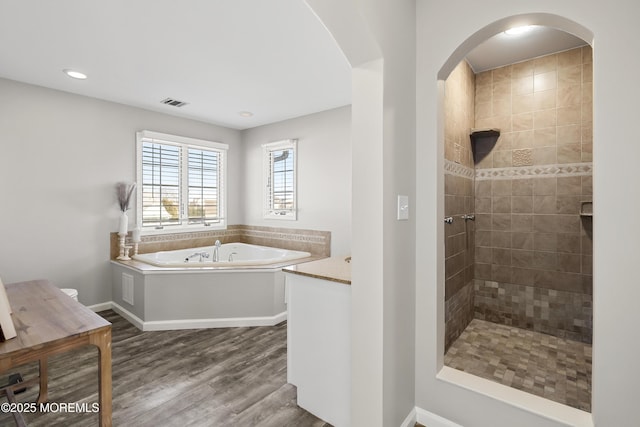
(523, 255)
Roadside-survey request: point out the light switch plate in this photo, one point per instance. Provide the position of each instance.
(403, 208)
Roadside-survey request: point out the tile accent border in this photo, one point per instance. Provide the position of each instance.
(454, 168)
(318, 243)
(555, 170)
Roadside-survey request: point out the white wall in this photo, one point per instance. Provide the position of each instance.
(61, 155)
(378, 38)
(324, 174)
(442, 27)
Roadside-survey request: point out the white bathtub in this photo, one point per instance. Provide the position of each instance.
(229, 255)
(162, 291)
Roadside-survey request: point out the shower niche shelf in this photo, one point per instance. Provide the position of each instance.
(483, 141)
(586, 209)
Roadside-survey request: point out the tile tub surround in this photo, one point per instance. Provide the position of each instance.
(459, 200)
(533, 264)
(318, 243)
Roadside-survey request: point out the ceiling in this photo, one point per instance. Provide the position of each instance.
(271, 58)
(503, 49)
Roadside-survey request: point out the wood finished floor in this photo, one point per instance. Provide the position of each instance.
(206, 377)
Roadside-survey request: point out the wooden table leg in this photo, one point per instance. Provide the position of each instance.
(102, 340)
(44, 379)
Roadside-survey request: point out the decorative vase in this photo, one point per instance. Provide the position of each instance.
(124, 223)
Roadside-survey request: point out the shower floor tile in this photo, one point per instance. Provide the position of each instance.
(554, 368)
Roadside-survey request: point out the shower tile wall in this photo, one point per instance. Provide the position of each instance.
(459, 200)
(533, 253)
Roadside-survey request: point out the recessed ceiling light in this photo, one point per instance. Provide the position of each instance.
(245, 114)
(520, 30)
(74, 74)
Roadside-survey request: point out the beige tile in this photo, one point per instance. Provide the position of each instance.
(545, 260)
(570, 76)
(567, 116)
(483, 238)
(587, 55)
(587, 73)
(502, 74)
(569, 263)
(570, 95)
(501, 222)
(522, 122)
(502, 159)
(544, 204)
(483, 205)
(522, 157)
(483, 254)
(545, 81)
(522, 240)
(501, 107)
(544, 137)
(483, 78)
(483, 188)
(501, 239)
(522, 139)
(483, 222)
(501, 256)
(505, 141)
(522, 69)
(522, 103)
(521, 258)
(501, 187)
(522, 85)
(522, 205)
(522, 187)
(587, 112)
(544, 100)
(483, 110)
(522, 222)
(545, 186)
(502, 122)
(569, 134)
(569, 186)
(587, 185)
(570, 57)
(587, 152)
(544, 118)
(569, 153)
(501, 204)
(501, 91)
(484, 161)
(568, 205)
(544, 156)
(587, 93)
(483, 94)
(569, 243)
(522, 276)
(545, 242)
(545, 64)
(587, 132)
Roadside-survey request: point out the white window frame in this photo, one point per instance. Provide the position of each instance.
(184, 143)
(269, 212)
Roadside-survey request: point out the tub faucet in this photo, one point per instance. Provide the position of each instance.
(216, 257)
(197, 254)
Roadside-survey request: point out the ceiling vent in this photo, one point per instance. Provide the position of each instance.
(173, 102)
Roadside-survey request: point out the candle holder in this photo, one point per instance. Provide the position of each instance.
(124, 250)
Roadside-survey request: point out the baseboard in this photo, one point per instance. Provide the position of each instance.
(411, 419)
(101, 307)
(171, 325)
(432, 420)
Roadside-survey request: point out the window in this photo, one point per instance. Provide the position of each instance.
(181, 183)
(280, 179)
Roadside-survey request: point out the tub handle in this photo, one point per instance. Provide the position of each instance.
(231, 256)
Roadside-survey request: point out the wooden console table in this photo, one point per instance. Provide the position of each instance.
(48, 322)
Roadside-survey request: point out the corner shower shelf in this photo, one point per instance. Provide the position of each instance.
(484, 133)
(588, 212)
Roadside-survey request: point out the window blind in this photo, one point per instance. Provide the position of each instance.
(204, 181)
(161, 171)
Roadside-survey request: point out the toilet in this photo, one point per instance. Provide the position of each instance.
(73, 293)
